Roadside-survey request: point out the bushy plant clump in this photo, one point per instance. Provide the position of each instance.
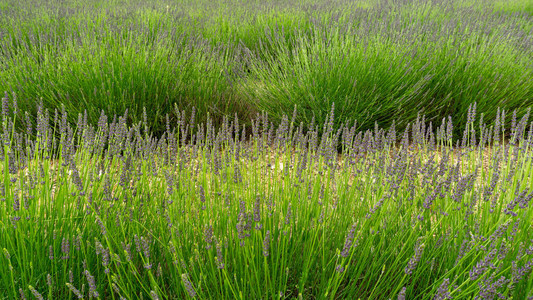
(376, 59)
(112, 212)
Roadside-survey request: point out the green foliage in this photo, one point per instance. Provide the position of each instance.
(515, 6)
(281, 215)
(383, 66)
(375, 59)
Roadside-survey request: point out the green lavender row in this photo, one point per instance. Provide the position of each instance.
(109, 211)
(376, 59)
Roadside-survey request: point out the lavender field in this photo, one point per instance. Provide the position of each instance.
(377, 60)
(110, 211)
(266, 150)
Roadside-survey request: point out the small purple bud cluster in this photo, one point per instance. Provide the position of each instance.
(488, 288)
(442, 292)
(520, 273)
(49, 280)
(376, 207)
(244, 223)
(188, 285)
(348, 242)
(288, 215)
(413, 262)
(35, 293)
(144, 244)
(219, 259)
(100, 250)
(51, 252)
(154, 295)
(266, 244)
(201, 193)
(65, 248)
(339, 269)
(257, 213)
(74, 290)
(208, 236)
(483, 265)
(92, 284)
(401, 295)
(102, 227)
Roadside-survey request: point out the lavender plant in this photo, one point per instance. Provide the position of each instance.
(374, 58)
(121, 214)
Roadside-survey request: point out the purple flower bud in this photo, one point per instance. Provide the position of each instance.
(35, 293)
(339, 269)
(266, 244)
(348, 242)
(201, 193)
(101, 224)
(146, 247)
(92, 284)
(413, 262)
(257, 212)
(442, 292)
(74, 290)
(481, 267)
(401, 295)
(208, 236)
(188, 285)
(5, 105)
(288, 214)
(65, 248)
(154, 295)
(219, 259)
(241, 222)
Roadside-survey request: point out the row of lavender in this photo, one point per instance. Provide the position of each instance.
(374, 58)
(111, 212)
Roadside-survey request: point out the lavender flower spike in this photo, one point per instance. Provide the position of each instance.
(188, 285)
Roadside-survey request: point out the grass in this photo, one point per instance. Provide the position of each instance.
(274, 213)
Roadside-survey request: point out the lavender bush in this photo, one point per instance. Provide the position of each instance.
(113, 212)
(377, 60)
